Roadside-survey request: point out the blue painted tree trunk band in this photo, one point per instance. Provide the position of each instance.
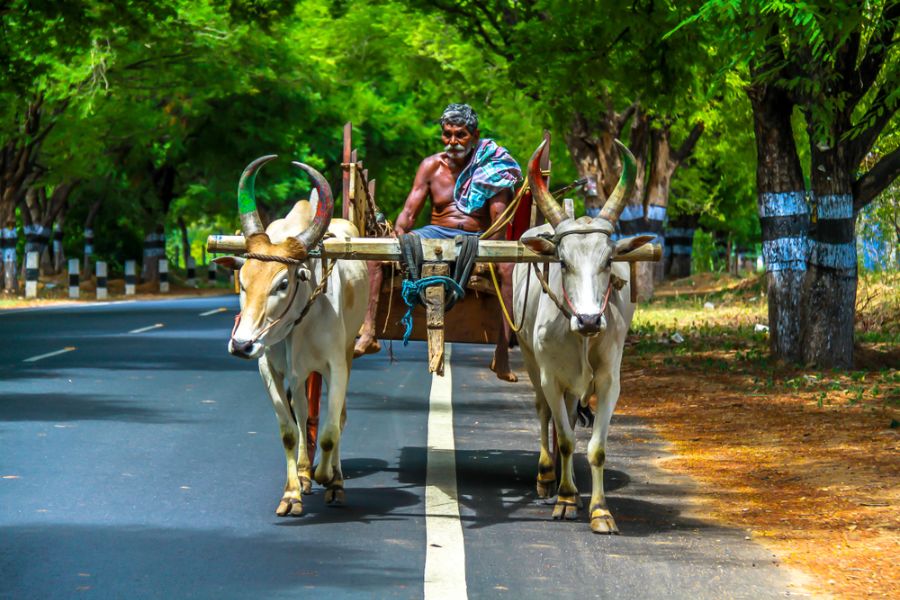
(782, 204)
(58, 234)
(101, 282)
(32, 274)
(835, 206)
(840, 257)
(632, 212)
(784, 219)
(655, 212)
(787, 253)
(682, 250)
(130, 278)
(73, 279)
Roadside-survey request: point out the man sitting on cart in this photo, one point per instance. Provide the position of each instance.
(470, 183)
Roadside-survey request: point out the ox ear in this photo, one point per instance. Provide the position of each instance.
(539, 244)
(230, 262)
(626, 245)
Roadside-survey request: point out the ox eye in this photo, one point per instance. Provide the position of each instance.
(283, 285)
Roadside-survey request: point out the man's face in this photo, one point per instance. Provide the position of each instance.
(458, 141)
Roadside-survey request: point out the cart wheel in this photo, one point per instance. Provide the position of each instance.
(313, 396)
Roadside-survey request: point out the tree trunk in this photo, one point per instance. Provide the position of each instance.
(784, 216)
(829, 285)
(185, 241)
(59, 255)
(87, 267)
(591, 146)
(154, 249)
(680, 245)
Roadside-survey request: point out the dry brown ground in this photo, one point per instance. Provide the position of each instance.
(807, 461)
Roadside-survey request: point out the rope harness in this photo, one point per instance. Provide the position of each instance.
(322, 287)
(414, 285)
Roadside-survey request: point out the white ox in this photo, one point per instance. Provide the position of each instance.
(572, 345)
(277, 279)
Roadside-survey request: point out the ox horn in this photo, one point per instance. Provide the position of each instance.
(313, 234)
(250, 221)
(616, 202)
(551, 209)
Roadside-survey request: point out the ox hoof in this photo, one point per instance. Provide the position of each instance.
(289, 506)
(546, 489)
(602, 521)
(566, 508)
(335, 495)
(305, 485)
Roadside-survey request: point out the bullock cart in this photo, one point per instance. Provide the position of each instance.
(586, 248)
(475, 318)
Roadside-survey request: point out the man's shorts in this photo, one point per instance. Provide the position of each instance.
(439, 232)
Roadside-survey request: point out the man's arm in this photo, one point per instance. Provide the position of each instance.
(415, 201)
(497, 205)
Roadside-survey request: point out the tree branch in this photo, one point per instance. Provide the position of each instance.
(687, 146)
(862, 143)
(867, 187)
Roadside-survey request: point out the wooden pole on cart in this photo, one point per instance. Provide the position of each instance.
(345, 173)
(434, 317)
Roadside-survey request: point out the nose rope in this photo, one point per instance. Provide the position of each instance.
(602, 306)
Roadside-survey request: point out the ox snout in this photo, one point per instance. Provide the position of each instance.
(243, 348)
(588, 325)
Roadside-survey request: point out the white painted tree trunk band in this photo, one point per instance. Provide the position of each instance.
(88, 241)
(155, 244)
(784, 218)
(8, 239)
(36, 238)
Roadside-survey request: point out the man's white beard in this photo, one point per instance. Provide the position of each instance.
(458, 151)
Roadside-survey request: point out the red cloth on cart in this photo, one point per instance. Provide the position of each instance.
(521, 219)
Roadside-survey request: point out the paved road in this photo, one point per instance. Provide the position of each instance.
(149, 465)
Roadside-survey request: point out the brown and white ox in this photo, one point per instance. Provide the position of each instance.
(572, 344)
(277, 278)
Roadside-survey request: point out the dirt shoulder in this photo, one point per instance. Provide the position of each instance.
(806, 461)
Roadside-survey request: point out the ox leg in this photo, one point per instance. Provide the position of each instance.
(546, 477)
(607, 388)
(328, 471)
(567, 499)
(300, 405)
(272, 369)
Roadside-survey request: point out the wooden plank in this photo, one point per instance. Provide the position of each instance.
(489, 251)
(434, 317)
(345, 175)
(360, 203)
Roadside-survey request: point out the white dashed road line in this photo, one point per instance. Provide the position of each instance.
(49, 354)
(212, 312)
(445, 555)
(143, 329)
